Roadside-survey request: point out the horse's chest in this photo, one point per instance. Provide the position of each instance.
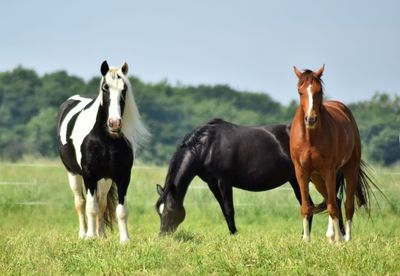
(313, 158)
(107, 157)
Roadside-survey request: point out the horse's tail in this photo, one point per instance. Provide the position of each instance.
(364, 188)
(112, 200)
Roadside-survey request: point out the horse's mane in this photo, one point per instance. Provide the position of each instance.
(192, 139)
(309, 76)
(133, 128)
(189, 142)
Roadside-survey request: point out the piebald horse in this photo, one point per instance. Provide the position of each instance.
(324, 139)
(97, 140)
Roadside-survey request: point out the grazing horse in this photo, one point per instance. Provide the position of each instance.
(97, 140)
(225, 155)
(324, 139)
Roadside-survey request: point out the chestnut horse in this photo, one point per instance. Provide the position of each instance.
(324, 139)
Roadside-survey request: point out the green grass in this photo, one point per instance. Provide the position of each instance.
(39, 232)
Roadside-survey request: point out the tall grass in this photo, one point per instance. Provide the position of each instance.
(39, 231)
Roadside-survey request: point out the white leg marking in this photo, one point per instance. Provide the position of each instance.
(306, 230)
(92, 209)
(122, 217)
(103, 186)
(75, 183)
(347, 237)
(338, 233)
(330, 233)
(310, 100)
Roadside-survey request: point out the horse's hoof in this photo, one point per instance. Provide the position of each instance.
(125, 241)
(90, 237)
(306, 239)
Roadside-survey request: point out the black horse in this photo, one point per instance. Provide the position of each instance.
(225, 155)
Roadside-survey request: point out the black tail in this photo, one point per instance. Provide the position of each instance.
(364, 188)
(109, 213)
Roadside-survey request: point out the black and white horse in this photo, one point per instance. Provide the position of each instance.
(225, 155)
(97, 140)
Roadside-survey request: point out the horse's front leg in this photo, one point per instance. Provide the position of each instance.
(122, 209)
(92, 207)
(303, 178)
(225, 189)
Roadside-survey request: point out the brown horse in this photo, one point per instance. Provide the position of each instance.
(324, 139)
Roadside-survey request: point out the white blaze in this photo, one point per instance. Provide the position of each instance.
(114, 110)
(161, 208)
(310, 100)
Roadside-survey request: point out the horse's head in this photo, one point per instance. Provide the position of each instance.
(311, 95)
(171, 211)
(114, 85)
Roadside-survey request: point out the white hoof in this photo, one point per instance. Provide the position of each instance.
(90, 236)
(125, 241)
(306, 238)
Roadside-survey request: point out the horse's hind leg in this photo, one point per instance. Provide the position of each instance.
(122, 208)
(103, 186)
(75, 183)
(225, 200)
(350, 171)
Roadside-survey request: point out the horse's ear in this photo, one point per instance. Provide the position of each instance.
(297, 72)
(320, 71)
(160, 189)
(104, 68)
(124, 68)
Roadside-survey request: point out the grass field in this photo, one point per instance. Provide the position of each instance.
(39, 231)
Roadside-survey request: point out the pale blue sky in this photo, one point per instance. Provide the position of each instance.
(250, 45)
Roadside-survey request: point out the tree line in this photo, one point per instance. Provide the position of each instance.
(29, 104)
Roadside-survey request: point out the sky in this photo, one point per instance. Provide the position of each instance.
(248, 45)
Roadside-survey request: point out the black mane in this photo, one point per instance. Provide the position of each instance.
(189, 142)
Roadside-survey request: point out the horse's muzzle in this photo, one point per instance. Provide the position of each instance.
(114, 125)
(311, 122)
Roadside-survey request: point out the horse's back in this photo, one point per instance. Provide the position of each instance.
(339, 111)
(254, 158)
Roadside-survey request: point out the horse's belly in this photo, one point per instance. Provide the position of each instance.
(263, 180)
